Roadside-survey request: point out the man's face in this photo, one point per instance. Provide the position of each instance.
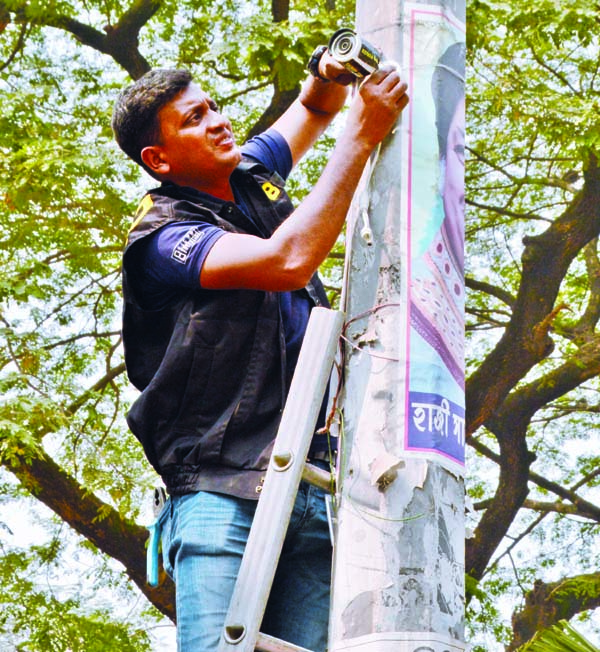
(197, 141)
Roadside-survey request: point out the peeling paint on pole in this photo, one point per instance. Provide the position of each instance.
(399, 555)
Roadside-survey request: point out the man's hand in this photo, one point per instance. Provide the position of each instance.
(380, 99)
(331, 69)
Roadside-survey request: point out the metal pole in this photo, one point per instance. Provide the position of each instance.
(399, 555)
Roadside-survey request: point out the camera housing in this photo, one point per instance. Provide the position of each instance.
(358, 56)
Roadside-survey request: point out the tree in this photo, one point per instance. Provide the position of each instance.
(533, 176)
(67, 197)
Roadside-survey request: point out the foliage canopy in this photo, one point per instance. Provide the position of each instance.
(66, 196)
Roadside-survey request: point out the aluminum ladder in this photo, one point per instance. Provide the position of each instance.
(287, 468)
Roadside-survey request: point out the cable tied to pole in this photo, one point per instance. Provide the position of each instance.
(340, 365)
(366, 232)
(366, 313)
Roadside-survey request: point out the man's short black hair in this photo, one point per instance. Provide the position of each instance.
(135, 116)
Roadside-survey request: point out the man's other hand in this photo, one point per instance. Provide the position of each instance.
(378, 104)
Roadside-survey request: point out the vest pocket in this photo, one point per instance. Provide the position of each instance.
(212, 358)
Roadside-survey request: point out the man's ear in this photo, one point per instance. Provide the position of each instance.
(155, 160)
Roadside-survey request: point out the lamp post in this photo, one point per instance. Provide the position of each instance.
(398, 581)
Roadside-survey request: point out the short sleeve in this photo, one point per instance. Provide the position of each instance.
(271, 149)
(172, 259)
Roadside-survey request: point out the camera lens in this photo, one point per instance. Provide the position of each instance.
(344, 45)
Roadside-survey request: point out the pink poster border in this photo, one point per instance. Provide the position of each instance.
(414, 12)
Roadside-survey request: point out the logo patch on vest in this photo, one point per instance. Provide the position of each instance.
(271, 191)
(181, 251)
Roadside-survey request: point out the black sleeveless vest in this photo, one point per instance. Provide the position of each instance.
(211, 364)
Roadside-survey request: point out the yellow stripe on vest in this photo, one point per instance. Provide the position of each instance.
(145, 205)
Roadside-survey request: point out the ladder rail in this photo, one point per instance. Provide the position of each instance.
(286, 469)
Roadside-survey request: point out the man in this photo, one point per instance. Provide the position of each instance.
(219, 279)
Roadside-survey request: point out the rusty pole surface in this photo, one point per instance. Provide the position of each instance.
(398, 581)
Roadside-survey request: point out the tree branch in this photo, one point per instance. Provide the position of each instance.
(588, 321)
(546, 604)
(120, 41)
(509, 423)
(499, 210)
(111, 374)
(514, 461)
(555, 73)
(492, 290)
(280, 10)
(525, 342)
(84, 512)
(558, 508)
(93, 519)
(17, 47)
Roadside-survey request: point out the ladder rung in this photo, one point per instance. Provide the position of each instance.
(318, 477)
(266, 643)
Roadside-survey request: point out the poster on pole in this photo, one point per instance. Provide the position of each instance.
(434, 62)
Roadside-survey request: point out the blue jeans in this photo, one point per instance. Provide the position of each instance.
(203, 540)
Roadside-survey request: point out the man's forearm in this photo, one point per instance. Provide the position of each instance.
(311, 231)
(322, 97)
(310, 114)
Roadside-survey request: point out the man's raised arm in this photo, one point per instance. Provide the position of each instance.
(320, 100)
(287, 260)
